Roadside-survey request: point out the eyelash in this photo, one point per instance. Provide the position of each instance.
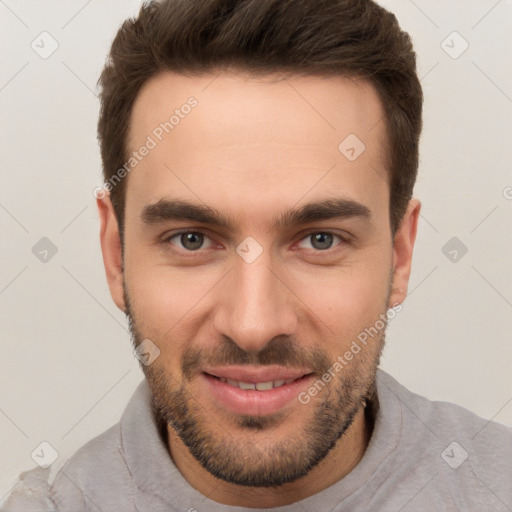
(343, 240)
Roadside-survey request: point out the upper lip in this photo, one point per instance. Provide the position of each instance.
(256, 374)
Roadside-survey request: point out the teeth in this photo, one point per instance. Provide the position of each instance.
(246, 385)
(260, 386)
(264, 386)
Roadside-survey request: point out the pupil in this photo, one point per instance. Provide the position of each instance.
(322, 240)
(192, 241)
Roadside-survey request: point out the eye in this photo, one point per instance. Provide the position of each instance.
(321, 240)
(189, 240)
(193, 241)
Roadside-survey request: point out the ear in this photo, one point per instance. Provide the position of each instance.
(111, 249)
(403, 244)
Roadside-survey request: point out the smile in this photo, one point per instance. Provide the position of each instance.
(254, 391)
(260, 386)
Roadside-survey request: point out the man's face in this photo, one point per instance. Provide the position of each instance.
(264, 295)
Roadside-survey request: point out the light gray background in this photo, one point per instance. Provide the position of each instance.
(67, 369)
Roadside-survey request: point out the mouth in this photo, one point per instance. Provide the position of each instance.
(255, 391)
(260, 386)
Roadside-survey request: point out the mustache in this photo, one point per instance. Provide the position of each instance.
(281, 350)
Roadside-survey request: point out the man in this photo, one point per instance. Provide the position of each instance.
(257, 228)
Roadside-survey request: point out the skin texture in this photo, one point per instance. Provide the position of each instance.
(251, 149)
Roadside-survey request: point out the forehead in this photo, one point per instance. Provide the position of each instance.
(248, 139)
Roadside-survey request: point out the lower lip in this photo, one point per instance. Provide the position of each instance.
(254, 402)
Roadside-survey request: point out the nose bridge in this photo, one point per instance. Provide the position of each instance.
(255, 306)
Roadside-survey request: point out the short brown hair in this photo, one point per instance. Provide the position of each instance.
(308, 37)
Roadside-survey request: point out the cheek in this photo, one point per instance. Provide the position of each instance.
(348, 299)
(168, 303)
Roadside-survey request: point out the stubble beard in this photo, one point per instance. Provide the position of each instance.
(229, 452)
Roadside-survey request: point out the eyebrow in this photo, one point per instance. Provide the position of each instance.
(333, 208)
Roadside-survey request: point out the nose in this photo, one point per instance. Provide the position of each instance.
(255, 304)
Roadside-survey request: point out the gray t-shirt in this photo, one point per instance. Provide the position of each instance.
(422, 456)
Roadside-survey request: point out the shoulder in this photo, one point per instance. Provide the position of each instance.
(97, 464)
(31, 492)
(465, 455)
(96, 473)
(448, 419)
(97, 468)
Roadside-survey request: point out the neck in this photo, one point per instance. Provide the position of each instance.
(340, 461)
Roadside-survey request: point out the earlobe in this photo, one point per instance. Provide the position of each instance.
(403, 245)
(111, 249)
